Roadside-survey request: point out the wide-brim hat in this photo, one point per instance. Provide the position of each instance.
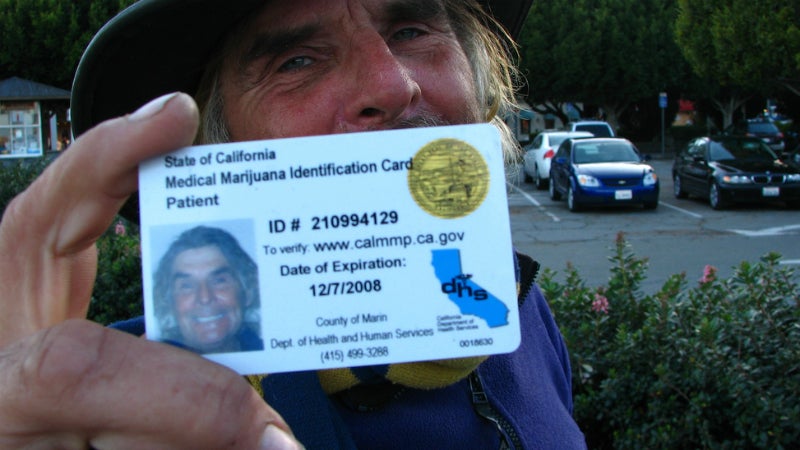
(155, 47)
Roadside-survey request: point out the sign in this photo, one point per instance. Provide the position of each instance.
(662, 100)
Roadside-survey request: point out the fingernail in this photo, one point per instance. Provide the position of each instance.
(276, 439)
(152, 107)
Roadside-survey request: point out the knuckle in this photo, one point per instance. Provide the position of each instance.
(62, 361)
(229, 406)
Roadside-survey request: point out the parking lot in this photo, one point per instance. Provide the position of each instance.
(679, 236)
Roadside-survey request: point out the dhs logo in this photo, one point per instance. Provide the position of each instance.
(460, 287)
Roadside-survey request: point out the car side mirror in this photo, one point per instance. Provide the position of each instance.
(646, 157)
(561, 160)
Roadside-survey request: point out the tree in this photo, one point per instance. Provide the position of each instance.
(609, 53)
(43, 40)
(745, 46)
(546, 44)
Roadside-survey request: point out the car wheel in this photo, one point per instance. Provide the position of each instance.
(715, 197)
(525, 177)
(554, 194)
(572, 204)
(540, 183)
(677, 188)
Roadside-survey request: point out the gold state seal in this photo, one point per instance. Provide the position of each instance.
(449, 178)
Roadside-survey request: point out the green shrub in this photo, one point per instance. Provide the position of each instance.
(710, 364)
(16, 175)
(117, 293)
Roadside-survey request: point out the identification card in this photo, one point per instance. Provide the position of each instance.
(331, 251)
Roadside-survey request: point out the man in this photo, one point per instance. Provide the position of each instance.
(281, 69)
(204, 286)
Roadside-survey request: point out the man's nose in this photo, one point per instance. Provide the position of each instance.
(204, 293)
(381, 90)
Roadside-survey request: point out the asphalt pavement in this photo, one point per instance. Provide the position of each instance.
(680, 236)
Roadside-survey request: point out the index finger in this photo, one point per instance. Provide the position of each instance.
(86, 187)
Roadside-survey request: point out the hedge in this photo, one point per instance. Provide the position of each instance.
(708, 363)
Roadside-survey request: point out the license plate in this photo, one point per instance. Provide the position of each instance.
(623, 194)
(772, 191)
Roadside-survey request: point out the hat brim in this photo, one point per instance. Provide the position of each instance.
(156, 47)
(152, 48)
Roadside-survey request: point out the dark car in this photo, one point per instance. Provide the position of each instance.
(793, 158)
(602, 171)
(760, 128)
(727, 169)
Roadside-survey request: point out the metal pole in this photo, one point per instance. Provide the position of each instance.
(663, 152)
(662, 104)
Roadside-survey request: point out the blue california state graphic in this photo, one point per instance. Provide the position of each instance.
(470, 297)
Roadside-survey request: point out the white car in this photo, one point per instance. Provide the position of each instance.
(597, 127)
(537, 154)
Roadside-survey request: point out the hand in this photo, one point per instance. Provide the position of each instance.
(66, 382)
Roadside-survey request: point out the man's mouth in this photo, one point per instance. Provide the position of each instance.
(208, 319)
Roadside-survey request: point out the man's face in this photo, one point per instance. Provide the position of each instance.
(207, 298)
(310, 67)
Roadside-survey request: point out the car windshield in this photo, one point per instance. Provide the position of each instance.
(593, 152)
(734, 149)
(597, 130)
(763, 128)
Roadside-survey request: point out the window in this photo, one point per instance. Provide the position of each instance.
(696, 149)
(20, 134)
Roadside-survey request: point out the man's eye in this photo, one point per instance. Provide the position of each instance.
(222, 281)
(185, 286)
(406, 34)
(295, 63)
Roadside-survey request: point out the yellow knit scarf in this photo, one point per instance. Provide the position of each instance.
(418, 375)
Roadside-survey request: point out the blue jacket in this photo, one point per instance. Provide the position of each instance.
(523, 398)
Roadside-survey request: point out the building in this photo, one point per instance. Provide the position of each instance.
(33, 118)
(520, 122)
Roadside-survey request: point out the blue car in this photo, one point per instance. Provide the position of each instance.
(602, 171)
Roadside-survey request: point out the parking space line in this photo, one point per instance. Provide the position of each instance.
(535, 203)
(773, 231)
(688, 213)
